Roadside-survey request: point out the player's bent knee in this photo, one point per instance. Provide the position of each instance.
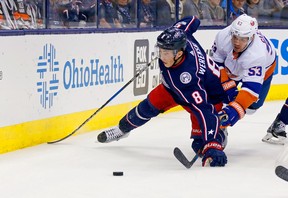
(138, 116)
(147, 110)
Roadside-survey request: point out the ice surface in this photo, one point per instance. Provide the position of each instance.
(80, 168)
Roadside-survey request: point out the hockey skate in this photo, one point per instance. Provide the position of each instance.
(276, 133)
(113, 134)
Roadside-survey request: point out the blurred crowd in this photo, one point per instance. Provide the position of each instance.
(31, 14)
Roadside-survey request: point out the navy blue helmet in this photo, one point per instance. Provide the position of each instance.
(172, 39)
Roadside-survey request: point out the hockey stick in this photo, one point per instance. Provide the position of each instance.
(183, 159)
(109, 100)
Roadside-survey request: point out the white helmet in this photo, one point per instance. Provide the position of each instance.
(244, 26)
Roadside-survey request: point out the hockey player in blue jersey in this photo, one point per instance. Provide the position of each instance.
(190, 79)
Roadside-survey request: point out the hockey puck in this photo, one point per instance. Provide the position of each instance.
(118, 173)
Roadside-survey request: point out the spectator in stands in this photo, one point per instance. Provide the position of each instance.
(35, 10)
(20, 14)
(69, 12)
(147, 14)
(108, 16)
(53, 14)
(87, 11)
(270, 8)
(223, 4)
(252, 8)
(126, 13)
(284, 11)
(217, 13)
(199, 9)
(6, 16)
(165, 12)
(235, 9)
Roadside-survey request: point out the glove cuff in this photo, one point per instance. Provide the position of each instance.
(212, 145)
(228, 85)
(238, 108)
(223, 74)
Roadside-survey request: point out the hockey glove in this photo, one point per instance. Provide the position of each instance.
(229, 86)
(230, 114)
(213, 155)
(230, 89)
(197, 145)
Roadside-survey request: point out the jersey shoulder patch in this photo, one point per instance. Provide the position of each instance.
(185, 77)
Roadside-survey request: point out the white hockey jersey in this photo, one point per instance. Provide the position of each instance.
(254, 65)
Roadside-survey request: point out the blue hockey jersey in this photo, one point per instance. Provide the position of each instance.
(194, 82)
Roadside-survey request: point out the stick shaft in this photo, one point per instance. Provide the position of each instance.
(107, 102)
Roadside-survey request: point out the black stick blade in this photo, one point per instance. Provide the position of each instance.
(282, 172)
(182, 159)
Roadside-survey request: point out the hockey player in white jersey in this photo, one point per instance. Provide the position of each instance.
(247, 58)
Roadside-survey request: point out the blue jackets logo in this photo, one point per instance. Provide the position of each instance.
(185, 77)
(48, 69)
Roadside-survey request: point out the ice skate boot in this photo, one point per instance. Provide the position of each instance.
(112, 134)
(276, 133)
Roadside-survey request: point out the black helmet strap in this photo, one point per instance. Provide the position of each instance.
(175, 52)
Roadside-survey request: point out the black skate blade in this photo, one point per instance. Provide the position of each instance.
(282, 172)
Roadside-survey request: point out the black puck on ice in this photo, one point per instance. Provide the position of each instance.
(118, 173)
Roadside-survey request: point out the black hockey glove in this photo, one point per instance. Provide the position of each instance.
(213, 155)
